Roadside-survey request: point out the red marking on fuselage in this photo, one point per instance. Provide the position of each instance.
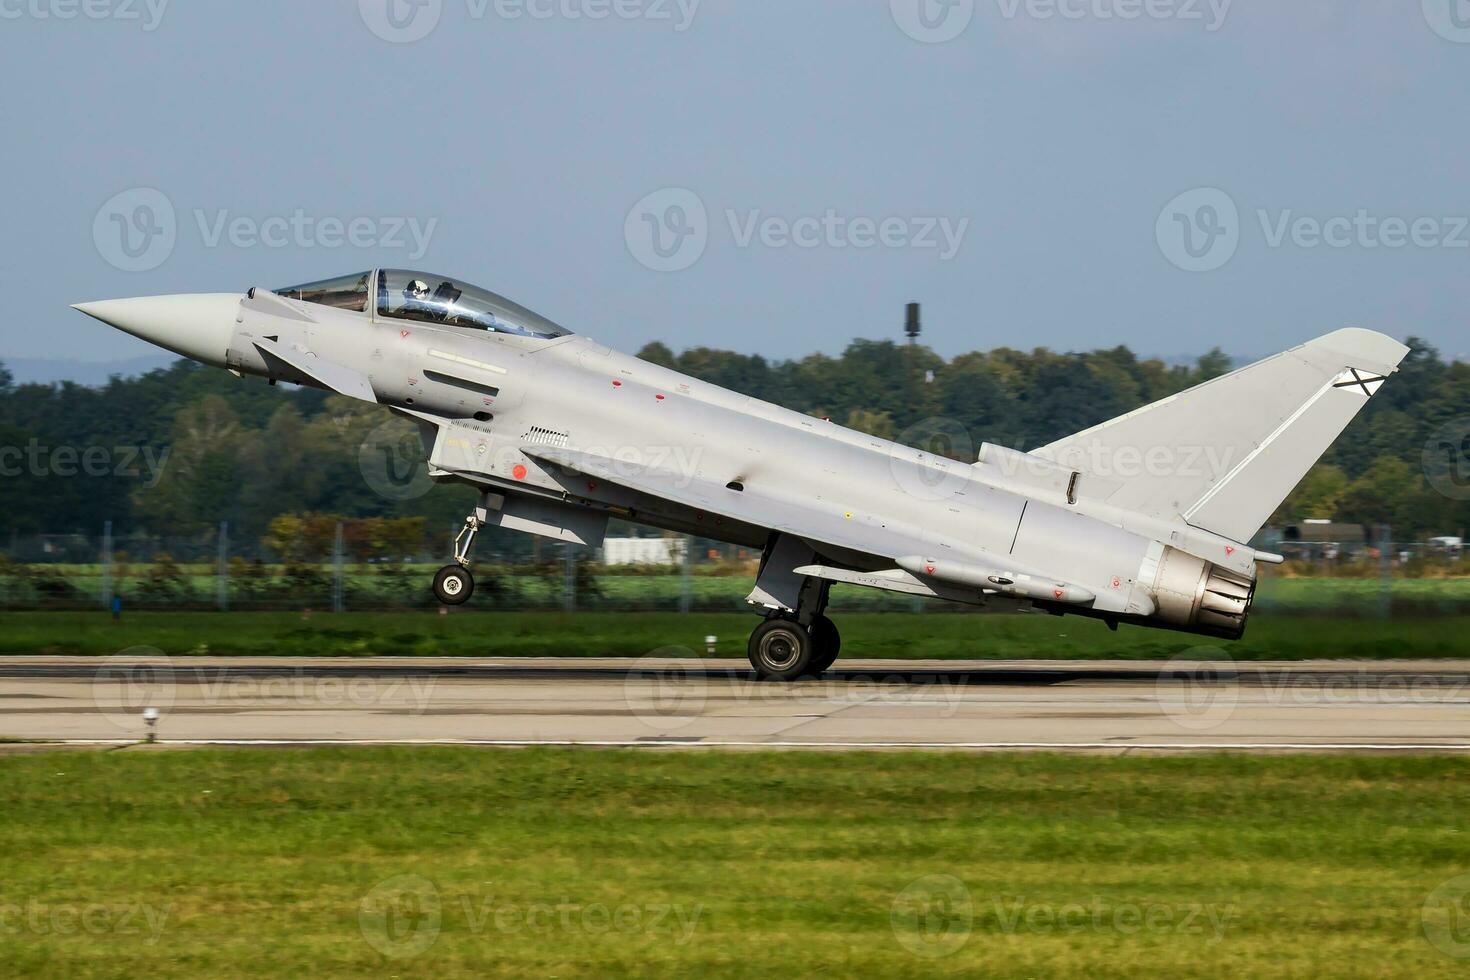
(1058, 593)
(519, 472)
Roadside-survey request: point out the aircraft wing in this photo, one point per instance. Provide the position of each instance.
(818, 522)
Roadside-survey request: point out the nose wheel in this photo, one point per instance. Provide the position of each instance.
(454, 585)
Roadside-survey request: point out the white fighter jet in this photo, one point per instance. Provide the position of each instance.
(1143, 520)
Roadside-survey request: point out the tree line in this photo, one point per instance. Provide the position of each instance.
(177, 450)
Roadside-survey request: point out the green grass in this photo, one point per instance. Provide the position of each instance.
(563, 863)
(524, 588)
(894, 635)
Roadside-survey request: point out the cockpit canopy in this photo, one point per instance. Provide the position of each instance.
(427, 298)
(346, 293)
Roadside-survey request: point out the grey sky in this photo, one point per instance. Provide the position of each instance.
(1047, 146)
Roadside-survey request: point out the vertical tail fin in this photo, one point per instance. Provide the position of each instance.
(1223, 455)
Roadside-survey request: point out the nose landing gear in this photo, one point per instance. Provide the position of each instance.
(453, 584)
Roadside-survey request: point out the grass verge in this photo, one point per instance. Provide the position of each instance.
(1271, 636)
(444, 862)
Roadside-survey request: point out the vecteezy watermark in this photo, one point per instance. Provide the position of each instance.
(131, 462)
(1446, 459)
(678, 467)
(391, 460)
(1210, 13)
(932, 21)
(1201, 230)
(407, 21)
(146, 13)
(1108, 461)
(1018, 914)
(401, 21)
(669, 689)
(128, 683)
(938, 21)
(1199, 689)
(138, 229)
(933, 916)
(669, 230)
(665, 691)
(935, 463)
(1202, 689)
(1450, 19)
(36, 918)
(402, 917)
(1445, 917)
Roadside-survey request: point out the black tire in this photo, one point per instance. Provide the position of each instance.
(827, 643)
(453, 585)
(781, 650)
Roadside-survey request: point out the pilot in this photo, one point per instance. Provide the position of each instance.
(416, 300)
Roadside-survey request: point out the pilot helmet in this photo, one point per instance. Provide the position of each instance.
(417, 289)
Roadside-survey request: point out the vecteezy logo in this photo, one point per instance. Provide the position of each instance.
(932, 21)
(936, 474)
(126, 684)
(1195, 692)
(391, 460)
(135, 231)
(1447, 459)
(668, 230)
(1450, 19)
(401, 21)
(663, 693)
(1199, 230)
(933, 916)
(400, 917)
(1446, 917)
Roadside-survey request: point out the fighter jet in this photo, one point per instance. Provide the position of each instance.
(1143, 520)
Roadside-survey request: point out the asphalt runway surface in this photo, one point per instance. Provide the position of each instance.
(1115, 707)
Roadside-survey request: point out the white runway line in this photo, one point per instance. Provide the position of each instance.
(675, 742)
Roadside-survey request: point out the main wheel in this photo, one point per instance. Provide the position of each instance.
(780, 649)
(828, 644)
(454, 585)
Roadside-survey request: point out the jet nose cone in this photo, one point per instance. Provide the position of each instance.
(197, 325)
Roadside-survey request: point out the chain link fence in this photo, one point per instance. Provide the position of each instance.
(213, 572)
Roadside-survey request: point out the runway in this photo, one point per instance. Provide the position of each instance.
(1113, 707)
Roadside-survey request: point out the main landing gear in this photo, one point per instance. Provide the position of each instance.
(453, 584)
(782, 649)
(796, 639)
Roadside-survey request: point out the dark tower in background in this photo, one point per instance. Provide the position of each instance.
(912, 329)
(911, 325)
